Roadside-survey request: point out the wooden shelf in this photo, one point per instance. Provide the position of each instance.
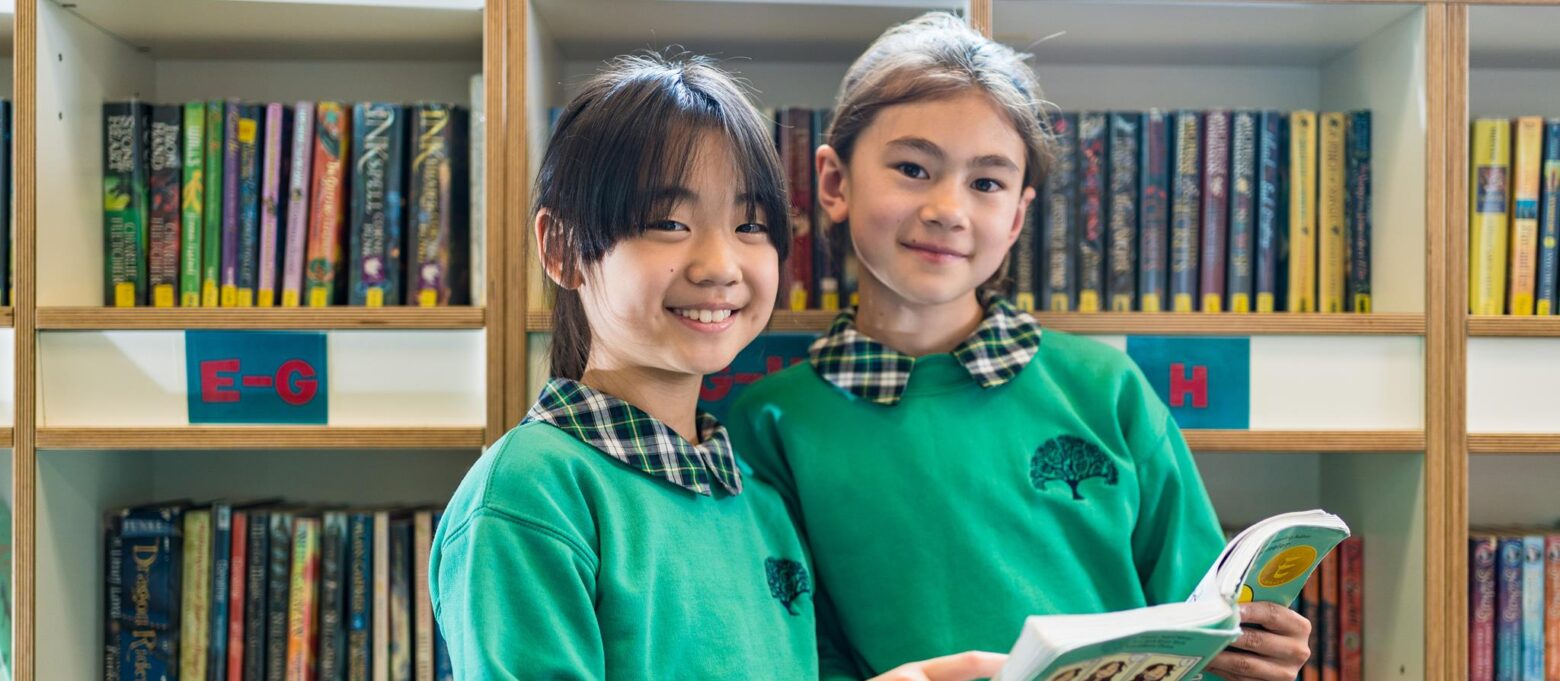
(1147, 324)
(259, 437)
(1489, 326)
(1305, 440)
(7, 438)
(7, 317)
(150, 318)
(1514, 443)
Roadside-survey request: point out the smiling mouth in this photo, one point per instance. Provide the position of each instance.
(703, 316)
(932, 250)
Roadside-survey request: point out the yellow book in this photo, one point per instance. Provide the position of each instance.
(1059, 302)
(1149, 302)
(163, 295)
(1527, 159)
(1088, 301)
(302, 603)
(1487, 223)
(195, 600)
(1332, 243)
(1302, 211)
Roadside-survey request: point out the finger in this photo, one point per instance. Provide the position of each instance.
(1288, 649)
(1232, 663)
(1275, 618)
(966, 666)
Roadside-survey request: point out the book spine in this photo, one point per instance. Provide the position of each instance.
(478, 184)
(1488, 222)
(249, 131)
(1332, 242)
(1185, 202)
(360, 595)
(215, 188)
(333, 633)
(1123, 210)
(1154, 212)
(1549, 224)
(826, 242)
(271, 207)
(238, 580)
(430, 221)
(1093, 188)
(422, 608)
(1215, 209)
(1270, 210)
(1330, 594)
(401, 600)
(1359, 196)
(257, 596)
(375, 232)
(165, 205)
(1243, 209)
(193, 193)
(221, 564)
(7, 209)
(125, 198)
(277, 592)
(456, 194)
(1302, 211)
(1481, 608)
(443, 667)
(298, 181)
(1526, 172)
(196, 612)
(1311, 600)
(1508, 610)
(1552, 606)
(1021, 266)
(332, 140)
(796, 153)
(1533, 607)
(301, 610)
(149, 630)
(231, 208)
(1059, 290)
(1351, 609)
(113, 596)
(381, 607)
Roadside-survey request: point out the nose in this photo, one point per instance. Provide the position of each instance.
(945, 205)
(714, 261)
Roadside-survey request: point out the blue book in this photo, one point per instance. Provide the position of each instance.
(1093, 195)
(360, 596)
(1508, 610)
(1549, 223)
(1243, 211)
(1357, 195)
(149, 566)
(1059, 216)
(249, 122)
(256, 598)
(1122, 236)
(1153, 211)
(378, 213)
(1185, 210)
(1533, 607)
(113, 595)
(221, 557)
(332, 595)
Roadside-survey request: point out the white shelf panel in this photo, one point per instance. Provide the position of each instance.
(377, 378)
(1513, 37)
(1511, 383)
(1513, 489)
(7, 377)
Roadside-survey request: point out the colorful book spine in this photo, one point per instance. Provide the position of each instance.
(1552, 606)
(438, 205)
(149, 626)
(1330, 594)
(796, 154)
(195, 612)
(1533, 607)
(1302, 211)
(193, 193)
(360, 597)
(332, 139)
(257, 600)
(1215, 208)
(826, 242)
(1122, 282)
(212, 218)
(7, 214)
(1488, 222)
(1359, 197)
(164, 240)
(1270, 209)
(1332, 242)
(238, 582)
(1351, 609)
(299, 177)
(221, 564)
(277, 609)
(422, 604)
(1549, 225)
(1059, 196)
(125, 212)
(272, 210)
(1481, 607)
(1243, 210)
(231, 208)
(1526, 174)
(378, 205)
(1185, 204)
(1508, 610)
(249, 131)
(1092, 194)
(401, 623)
(332, 607)
(380, 638)
(1311, 608)
(113, 596)
(302, 609)
(1153, 212)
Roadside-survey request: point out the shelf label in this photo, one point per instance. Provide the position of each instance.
(256, 377)
(1205, 381)
(767, 354)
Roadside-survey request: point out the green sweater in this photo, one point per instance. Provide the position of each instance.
(938, 524)
(554, 561)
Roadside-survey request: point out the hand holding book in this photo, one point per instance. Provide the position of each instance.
(1273, 645)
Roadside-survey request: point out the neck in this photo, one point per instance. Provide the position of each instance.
(915, 329)
(671, 397)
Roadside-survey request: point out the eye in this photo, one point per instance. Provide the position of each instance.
(752, 228)
(912, 170)
(666, 226)
(987, 185)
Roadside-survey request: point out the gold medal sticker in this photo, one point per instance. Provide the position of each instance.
(1287, 566)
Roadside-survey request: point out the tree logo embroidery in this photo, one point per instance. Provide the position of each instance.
(1071, 460)
(787, 581)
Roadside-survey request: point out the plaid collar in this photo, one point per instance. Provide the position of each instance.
(1001, 347)
(626, 433)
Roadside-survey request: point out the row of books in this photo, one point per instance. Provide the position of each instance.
(1514, 226)
(232, 204)
(1212, 211)
(270, 592)
(1513, 604)
(1333, 599)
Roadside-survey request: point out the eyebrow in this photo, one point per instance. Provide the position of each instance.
(929, 148)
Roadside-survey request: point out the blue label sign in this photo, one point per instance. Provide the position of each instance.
(1206, 381)
(256, 377)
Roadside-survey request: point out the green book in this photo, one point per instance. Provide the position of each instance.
(125, 211)
(211, 238)
(192, 204)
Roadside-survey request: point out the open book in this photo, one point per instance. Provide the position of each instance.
(1269, 561)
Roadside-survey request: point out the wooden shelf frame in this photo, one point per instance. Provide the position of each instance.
(1306, 441)
(327, 318)
(1488, 326)
(1514, 443)
(260, 437)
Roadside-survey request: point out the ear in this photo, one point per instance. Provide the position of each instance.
(1017, 227)
(553, 266)
(833, 186)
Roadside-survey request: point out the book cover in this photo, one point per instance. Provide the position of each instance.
(1487, 225)
(221, 564)
(1549, 224)
(193, 194)
(302, 609)
(332, 152)
(212, 217)
(1021, 260)
(238, 581)
(360, 597)
(1351, 609)
(1508, 610)
(1552, 605)
(195, 612)
(401, 623)
(113, 596)
(381, 607)
(232, 209)
(1122, 282)
(796, 154)
(1526, 174)
(149, 627)
(1215, 209)
(1311, 608)
(257, 598)
(1332, 242)
(1302, 212)
(125, 210)
(332, 606)
(378, 205)
(249, 131)
(299, 180)
(165, 206)
(1093, 188)
(1243, 210)
(7, 219)
(1153, 212)
(1533, 607)
(1359, 207)
(278, 593)
(1059, 199)
(1185, 207)
(438, 206)
(1271, 209)
(1330, 593)
(478, 183)
(278, 121)
(1481, 607)
(828, 242)
(422, 605)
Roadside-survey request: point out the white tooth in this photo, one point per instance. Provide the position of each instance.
(721, 315)
(706, 316)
